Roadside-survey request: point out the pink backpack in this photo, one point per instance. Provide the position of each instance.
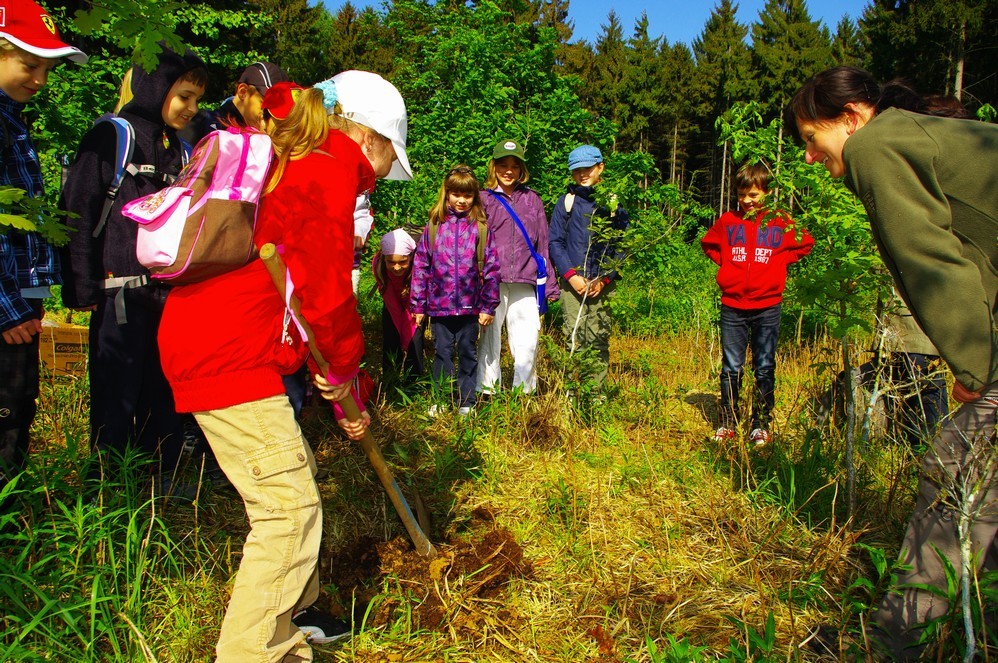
(202, 225)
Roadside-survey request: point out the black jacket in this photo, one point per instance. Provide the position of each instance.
(88, 260)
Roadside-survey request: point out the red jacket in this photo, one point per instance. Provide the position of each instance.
(753, 257)
(222, 341)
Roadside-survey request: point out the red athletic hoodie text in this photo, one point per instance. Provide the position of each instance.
(753, 255)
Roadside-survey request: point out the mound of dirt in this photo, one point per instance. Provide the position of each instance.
(440, 594)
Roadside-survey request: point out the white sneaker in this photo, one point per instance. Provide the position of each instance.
(320, 628)
(724, 434)
(760, 436)
(464, 411)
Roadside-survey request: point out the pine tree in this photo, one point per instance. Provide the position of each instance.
(605, 85)
(847, 45)
(291, 37)
(678, 76)
(787, 49)
(723, 77)
(641, 102)
(357, 40)
(554, 14)
(942, 46)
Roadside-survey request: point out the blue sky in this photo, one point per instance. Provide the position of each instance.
(677, 20)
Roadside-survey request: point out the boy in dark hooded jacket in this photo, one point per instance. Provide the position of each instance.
(130, 400)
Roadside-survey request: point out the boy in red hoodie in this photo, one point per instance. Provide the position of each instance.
(753, 247)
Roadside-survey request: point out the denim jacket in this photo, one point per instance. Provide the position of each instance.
(445, 278)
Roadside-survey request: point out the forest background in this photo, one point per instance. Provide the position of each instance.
(474, 72)
(647, 543)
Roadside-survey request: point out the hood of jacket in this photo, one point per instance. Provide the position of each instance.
(150, 88)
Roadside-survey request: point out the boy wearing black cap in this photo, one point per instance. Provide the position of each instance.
(130, 400)
(29, 48)
(585, 258)
(245, 107)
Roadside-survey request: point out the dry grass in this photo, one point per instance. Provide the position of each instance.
(632, 522)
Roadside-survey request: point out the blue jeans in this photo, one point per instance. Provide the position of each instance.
(456, 333)
(761, 328)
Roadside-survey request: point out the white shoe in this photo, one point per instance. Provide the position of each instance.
(464, 411)
(724, 434)
(760, 436)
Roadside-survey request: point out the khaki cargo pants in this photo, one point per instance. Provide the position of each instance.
(263, 453)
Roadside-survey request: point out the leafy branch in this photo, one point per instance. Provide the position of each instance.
(34, 215)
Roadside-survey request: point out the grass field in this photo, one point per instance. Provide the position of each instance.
(569, 533)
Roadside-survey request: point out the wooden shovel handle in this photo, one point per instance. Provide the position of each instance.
(278, 274)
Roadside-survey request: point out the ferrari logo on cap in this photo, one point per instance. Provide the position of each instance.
(48, 23)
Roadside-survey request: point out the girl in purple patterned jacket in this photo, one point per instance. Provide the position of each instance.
(455, 281)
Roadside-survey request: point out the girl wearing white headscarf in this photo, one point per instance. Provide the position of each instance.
(402, 338)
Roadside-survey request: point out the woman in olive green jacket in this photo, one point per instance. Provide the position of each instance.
(929, 188)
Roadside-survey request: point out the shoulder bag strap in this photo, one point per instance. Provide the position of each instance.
(541, 267)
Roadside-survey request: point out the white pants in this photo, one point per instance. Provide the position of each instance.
(518, 308)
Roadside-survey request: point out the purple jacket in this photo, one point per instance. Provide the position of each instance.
(516, 265)
(445, 278)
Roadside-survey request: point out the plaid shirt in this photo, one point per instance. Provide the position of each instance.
(26, 260)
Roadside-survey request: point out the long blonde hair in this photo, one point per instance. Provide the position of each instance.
(460, 179)
(299, 134)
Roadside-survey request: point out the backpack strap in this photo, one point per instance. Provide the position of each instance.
(569, 202)
(483, 232)
(124, 146)
(433, 235)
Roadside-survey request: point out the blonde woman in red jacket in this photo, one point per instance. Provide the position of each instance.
(753, 248)
(225, 344)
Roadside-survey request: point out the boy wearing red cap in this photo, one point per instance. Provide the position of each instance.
(29, 48)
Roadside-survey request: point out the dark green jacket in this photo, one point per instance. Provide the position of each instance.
(930, 188)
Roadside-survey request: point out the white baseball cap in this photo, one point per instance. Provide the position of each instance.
(370, 100)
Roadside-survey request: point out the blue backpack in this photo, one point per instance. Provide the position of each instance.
(123, 150)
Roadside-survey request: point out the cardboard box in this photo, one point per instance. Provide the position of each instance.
(64, 347)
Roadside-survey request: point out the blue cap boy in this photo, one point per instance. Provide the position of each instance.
(584, 156)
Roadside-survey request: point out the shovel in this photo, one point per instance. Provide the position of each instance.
(275, 266)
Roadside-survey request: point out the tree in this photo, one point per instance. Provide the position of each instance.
(847, 44)
(604, 92)
(678, 76)
(357, 40)
(554, 14)
(641, 104)
(723, 77)
(294, 38)
(942, 46)
(787, 49)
